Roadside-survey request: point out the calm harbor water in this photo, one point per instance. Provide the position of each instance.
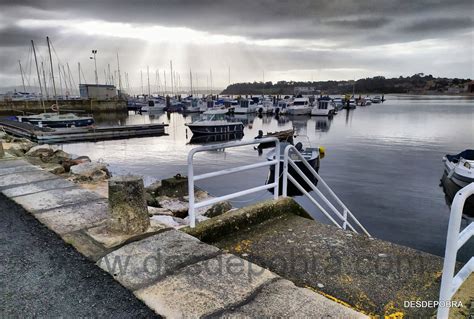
(383, 160)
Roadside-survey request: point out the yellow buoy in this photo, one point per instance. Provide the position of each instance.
(322, 152)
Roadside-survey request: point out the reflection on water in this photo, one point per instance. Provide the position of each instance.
(383, 160)
(450, 189)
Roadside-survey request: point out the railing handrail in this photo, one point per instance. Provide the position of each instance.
(192, 178)
(450, 283)
(346, 212)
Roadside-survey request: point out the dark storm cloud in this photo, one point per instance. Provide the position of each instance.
(261, 19)
(13, 36)
(336, 24)
(367, 23)
(439, 24)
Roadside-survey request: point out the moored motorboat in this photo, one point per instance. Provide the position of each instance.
(300, 106)
(324, 107)
(458, 173)
(245, 106)
(215, 124)
(265, 106)
(376, 99)
(174, 106)
(460, 167)
(57, 120)
(215, 111)
(193, 105)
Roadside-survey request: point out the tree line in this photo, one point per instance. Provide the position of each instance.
(417, 83)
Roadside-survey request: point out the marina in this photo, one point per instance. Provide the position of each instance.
(386, 183)
(251, 159)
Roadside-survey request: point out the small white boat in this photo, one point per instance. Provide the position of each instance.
(216, 111)
(245, 107)
(282, 106)
(56, 120)
(265, 106)
(376, 99)
(215, 124)
(193, 105)
(366, 101)
(324, 107)
(350, 104)
(338, 104)
(460, 168)
(300, 106)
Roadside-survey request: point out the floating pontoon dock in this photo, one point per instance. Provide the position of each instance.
(65, 135)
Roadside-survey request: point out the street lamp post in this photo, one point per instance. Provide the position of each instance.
(94, 52)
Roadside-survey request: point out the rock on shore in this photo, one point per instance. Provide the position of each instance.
(51, 158)
(167, 199)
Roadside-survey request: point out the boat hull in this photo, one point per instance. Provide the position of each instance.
(198, 129)
(59, 124)
(299, 111)
(243, 110)
(322, 112)
(456, 176)
(215, 138)
(450, 188)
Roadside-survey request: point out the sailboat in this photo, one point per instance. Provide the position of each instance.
(54, 119)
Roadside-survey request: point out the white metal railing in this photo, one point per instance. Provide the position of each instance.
(193, 178)
(450, 283)
(343, 216)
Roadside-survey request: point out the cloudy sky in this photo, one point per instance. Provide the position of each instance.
(277, 40)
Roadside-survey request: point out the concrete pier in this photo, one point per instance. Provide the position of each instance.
(371, 275)
(175, 274)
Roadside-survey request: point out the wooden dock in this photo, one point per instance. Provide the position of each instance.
(66, 135)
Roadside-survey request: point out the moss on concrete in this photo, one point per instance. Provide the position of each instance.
(465, 294)
(371, 275)
(213, 229)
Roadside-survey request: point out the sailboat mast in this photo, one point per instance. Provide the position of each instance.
(109, 78)
(210, 75)
(22, 78)
(141, 81)
(39, 77)
(52, 71)
(191, 80)
(60, 83)
(148, 79)
(164, 77)
(119, 76)
(79, 71)
(65, 79)
(23, 81)
(197, 83)
(171, 77)
(44, 81)
(69, 78)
